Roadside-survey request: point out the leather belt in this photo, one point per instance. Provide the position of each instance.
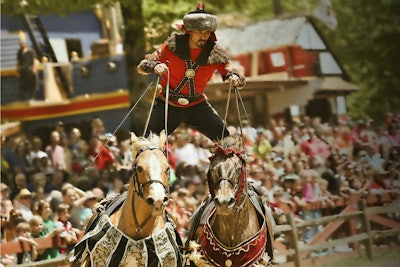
(183, 99)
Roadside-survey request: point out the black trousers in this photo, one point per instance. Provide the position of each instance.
(28, 83)
(202, 117)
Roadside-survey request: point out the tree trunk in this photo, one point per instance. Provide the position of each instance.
(134, 43)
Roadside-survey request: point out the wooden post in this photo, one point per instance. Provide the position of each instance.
(352, 232)
(294, 239)
(366, 227)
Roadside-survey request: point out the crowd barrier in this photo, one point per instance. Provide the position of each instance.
(365, 209)
(377, 210)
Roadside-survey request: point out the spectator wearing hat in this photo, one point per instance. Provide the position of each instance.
(186, 62)
(24, 200)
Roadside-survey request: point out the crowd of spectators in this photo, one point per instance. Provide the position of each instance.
(51, 189)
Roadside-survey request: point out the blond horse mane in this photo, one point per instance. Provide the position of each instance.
(152, 140)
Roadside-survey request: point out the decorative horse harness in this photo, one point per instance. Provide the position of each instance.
(106, 245)
(247, 252)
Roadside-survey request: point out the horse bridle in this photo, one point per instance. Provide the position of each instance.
(139, 186)
(238, 186)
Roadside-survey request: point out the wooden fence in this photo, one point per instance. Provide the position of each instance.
(356, 210)
(365, 210)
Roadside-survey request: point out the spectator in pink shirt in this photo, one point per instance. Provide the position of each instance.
(56, 152)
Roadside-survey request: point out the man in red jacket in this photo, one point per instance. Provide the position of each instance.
(190, 60)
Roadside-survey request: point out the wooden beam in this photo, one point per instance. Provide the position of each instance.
(331, 227)
(384, 221)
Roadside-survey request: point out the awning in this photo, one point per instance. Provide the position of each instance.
(336, 85)
(9, 128)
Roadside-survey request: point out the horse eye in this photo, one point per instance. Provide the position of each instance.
(139, 168)
(167, 171)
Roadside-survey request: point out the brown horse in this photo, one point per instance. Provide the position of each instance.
(133, 229)
(233, 228)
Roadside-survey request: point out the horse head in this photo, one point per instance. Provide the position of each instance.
(151, 170)
(226, 177)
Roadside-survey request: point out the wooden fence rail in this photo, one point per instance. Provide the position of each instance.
(354, 208)
(360, 211)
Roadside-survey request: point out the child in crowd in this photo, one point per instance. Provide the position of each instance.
(14, 218)
(49, 228)
(68, 233)
(24, 236)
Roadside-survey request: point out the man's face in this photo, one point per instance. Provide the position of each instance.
(22, 45)
(198, 38)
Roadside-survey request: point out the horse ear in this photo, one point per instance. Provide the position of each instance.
(163, 138)
(134, 138)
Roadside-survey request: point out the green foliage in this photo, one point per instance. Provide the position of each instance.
(367, 42)
(367, 39)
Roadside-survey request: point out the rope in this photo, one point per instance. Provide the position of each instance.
(119, 126)
(227, 108)
(152, 105)
(166, 112)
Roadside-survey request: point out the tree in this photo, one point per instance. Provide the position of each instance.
(366, 40)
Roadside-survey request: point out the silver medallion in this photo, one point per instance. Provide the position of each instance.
(189, 73)
(183, 101)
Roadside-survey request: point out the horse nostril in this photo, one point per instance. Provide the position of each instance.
(150, 201)
(166, 199)
(231, 202)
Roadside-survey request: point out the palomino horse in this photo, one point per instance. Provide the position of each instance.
(133, 229)
(233, 229)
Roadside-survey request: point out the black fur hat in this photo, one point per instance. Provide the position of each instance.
(199, 20)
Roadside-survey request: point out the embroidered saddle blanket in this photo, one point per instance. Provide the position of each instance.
(107, 246)
(205, 210)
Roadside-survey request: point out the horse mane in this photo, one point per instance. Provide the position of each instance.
(232, 142)
(153, 139)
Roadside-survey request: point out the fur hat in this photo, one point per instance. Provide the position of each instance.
(199, 20)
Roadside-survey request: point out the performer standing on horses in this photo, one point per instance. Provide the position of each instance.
(188, 60)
